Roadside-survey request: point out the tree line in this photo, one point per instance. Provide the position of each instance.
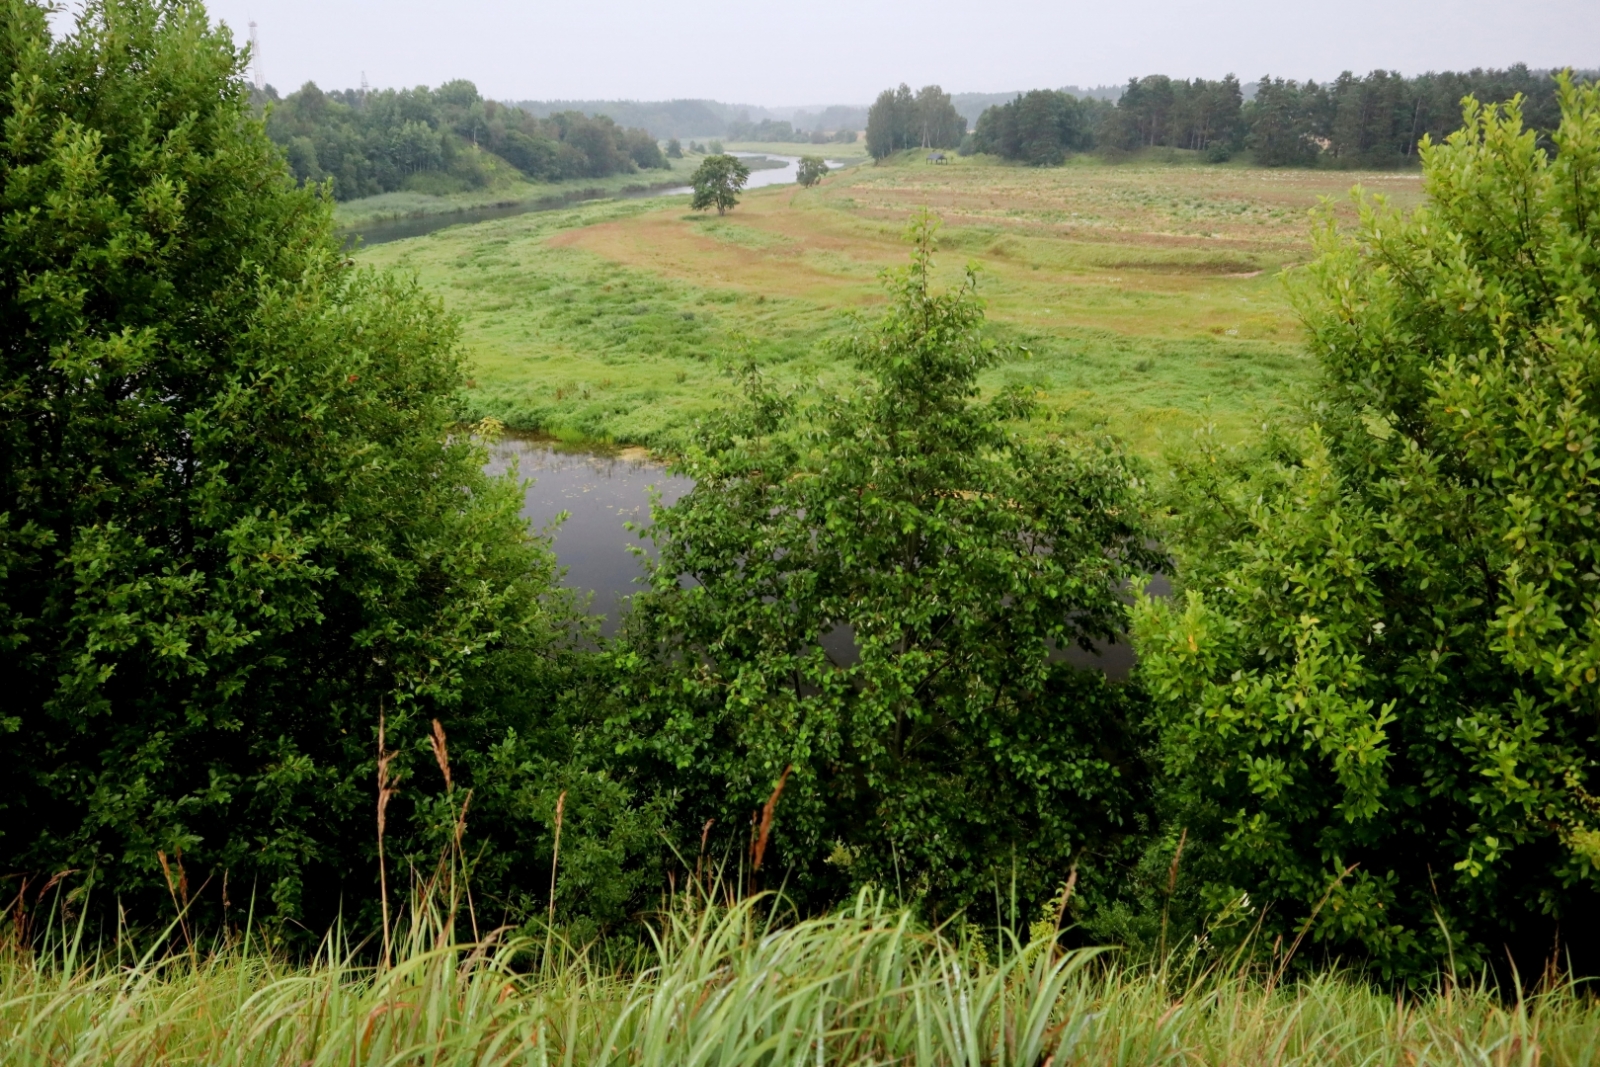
(1372, 121)
(901, 119)
(778, 130)
(270, 629)
(442, 140)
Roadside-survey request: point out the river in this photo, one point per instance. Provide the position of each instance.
(600, 492)
(377, 233)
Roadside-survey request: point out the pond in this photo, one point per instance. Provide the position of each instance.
(603, 491)
(780, 171)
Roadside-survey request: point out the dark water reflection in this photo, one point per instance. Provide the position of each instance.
(379, 232)
(383, 231)
(601, 493)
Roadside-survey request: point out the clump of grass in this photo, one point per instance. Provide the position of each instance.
(726, 983)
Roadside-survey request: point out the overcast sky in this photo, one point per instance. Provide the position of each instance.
(844, 51)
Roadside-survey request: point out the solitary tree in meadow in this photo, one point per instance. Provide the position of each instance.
(812, 169)
(717, 183)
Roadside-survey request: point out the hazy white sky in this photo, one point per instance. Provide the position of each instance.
(844, 51)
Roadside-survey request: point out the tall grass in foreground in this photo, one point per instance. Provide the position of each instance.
(724, 986)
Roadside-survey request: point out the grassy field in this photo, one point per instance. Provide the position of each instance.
(1143, 298)
(844, 153)
(721, 987)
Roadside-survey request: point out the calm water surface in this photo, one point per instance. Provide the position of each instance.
(378, 233)
(600, 493)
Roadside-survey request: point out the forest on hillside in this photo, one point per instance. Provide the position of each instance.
(443, 140)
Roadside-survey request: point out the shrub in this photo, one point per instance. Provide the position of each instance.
(812, 170)
(1380, 688)
(878, 589)
(238, 520)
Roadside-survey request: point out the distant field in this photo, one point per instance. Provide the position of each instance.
(1148, 294)
(848, 153)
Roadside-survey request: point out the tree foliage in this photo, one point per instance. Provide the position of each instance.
(812, 170)
(1158, 110)
(442, 140)
(1038, 128)
(898, 120)
(1382, 682)
(1372, 121)
(1379, 119)
(874, 592)
(717, 182)
(238, 521)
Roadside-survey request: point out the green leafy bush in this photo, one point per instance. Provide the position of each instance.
(1380, 689)
(237, 519)
(865, 600)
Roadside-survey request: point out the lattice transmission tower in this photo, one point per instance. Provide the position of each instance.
(255, 58)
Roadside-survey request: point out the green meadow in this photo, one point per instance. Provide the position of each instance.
(1142, 299)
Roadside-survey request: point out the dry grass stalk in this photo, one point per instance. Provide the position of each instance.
(175, 890)
(441, 753)
(1172, 887)
(385, 792)
(555, 862)
(1305, 927)
(759, 852)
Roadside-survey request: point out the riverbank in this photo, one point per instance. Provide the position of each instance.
(1143, 301)
(390, 207)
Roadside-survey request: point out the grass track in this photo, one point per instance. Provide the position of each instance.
(1149, 294)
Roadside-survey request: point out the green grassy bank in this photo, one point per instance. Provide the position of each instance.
(1141, 300)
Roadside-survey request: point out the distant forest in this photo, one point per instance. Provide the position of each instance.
(1371, 121)
(451, 139)
(710, 118)
(443, 140)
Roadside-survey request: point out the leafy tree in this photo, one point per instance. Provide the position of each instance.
(1280, 123)
(1179, 114)
(812, 169)
(674, 149)
(238, 519)
(938, 123)
(890, 120)
(898, 120)
(1038, 128)
(876, 590)
(717, 182)
(1380, 687)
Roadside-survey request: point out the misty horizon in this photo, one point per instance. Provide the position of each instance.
(834, 53)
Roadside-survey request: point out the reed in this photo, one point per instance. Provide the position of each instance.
(721, 984)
